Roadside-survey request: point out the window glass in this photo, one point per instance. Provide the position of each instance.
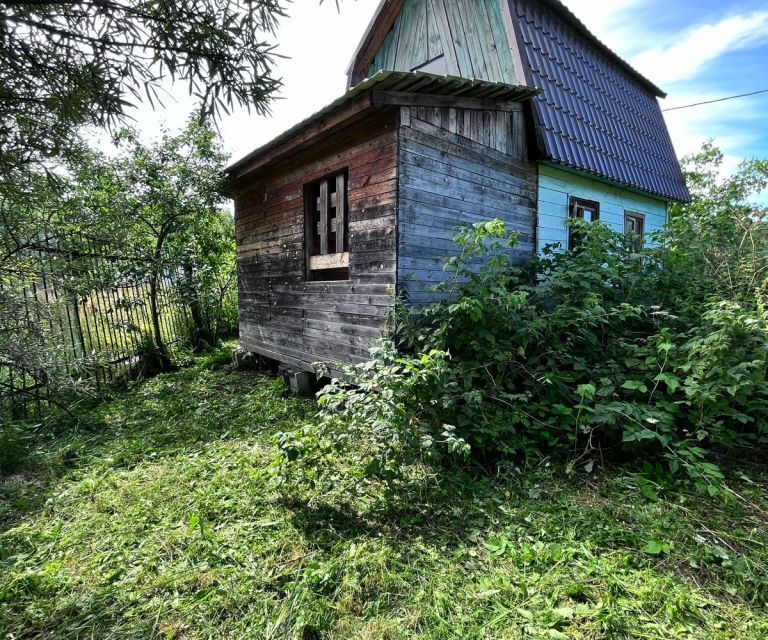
(582, 209)
(634, 223)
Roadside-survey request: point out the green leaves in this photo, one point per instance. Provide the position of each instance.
(582, 355)
(635, 385)
(657, 548)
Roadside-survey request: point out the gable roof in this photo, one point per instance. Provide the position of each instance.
(596, 113)
(385, 15)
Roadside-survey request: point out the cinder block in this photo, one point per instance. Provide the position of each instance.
(302, 383)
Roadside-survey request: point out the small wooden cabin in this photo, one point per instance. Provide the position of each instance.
(457, 111)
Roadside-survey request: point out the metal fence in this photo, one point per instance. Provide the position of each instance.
(95, 334)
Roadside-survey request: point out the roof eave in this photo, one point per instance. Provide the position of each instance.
(392, 81)
(588, 173)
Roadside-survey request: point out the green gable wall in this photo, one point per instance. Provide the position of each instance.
(557, 186)
(469, 34)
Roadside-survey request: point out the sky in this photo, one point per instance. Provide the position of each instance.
(695, 50)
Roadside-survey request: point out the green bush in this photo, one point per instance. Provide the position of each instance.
(608, 351)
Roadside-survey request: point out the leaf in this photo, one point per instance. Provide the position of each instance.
(656, 548)
(635, 385)
(194, 521)
(672, 382)
(586, 391)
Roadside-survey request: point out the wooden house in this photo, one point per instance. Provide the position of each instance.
(457, 111)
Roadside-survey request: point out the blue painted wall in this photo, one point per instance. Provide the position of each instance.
(557, 186)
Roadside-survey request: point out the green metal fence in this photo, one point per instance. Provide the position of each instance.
(95, 330)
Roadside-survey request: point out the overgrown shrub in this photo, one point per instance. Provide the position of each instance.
(608, 351)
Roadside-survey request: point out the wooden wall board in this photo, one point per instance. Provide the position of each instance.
(455, 169)
(282, 315)
(471, 34)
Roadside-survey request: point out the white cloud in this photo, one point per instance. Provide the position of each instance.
(607, 20)
(687, 54)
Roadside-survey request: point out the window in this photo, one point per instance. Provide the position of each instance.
(634, 224)
(325, 205)
(588, 210)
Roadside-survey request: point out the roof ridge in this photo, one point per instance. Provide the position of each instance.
(582, 28)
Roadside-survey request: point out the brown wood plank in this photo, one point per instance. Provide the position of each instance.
(341, 214)
(324, 217)
(326, 126)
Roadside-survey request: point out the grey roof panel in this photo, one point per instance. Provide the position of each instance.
(595, 113)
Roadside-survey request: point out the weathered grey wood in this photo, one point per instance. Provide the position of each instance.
(455, 170)
(437, 7)
(469, 33)
(329, 261)
(403, 98)
(285, 317)
(341, 214)
(323, 217)
(435, 47)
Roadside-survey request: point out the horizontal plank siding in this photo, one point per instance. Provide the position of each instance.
(282, 315)
(458, 167)
(556, 187)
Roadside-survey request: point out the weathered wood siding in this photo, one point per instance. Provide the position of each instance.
(469, 34)
(283, 316)
(458, 167)
(556, 188)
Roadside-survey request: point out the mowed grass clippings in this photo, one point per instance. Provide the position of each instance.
(152, 515)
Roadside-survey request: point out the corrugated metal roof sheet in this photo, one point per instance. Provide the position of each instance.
(595, 113)
(410, 82)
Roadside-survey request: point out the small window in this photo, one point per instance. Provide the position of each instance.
(634, 224)
(326, 229)
(588, 210)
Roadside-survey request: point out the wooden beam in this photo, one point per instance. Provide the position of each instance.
(330, 261)
(341, 213)
(405, 99)
(449, 46)
(324, 217)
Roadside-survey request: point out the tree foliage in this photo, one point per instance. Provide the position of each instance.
(67, 64)
(161, 209)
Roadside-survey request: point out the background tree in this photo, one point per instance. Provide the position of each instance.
(65, 65)
(162, 204)
(720, 246)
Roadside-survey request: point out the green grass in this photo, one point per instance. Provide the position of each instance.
(151, 515)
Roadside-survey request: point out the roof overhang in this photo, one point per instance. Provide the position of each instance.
(383, 90)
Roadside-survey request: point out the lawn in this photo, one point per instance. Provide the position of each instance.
(152, 514)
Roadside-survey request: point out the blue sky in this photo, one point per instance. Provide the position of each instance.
(694, 49)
